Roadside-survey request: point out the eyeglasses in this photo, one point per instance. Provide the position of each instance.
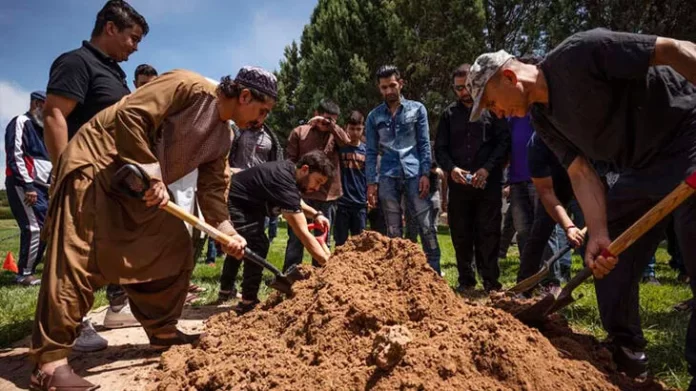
(459, 88)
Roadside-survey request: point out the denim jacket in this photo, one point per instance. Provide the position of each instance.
(403, 141)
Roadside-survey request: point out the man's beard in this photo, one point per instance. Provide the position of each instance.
(392, 98)
(467, 101)
(303, 183)
(38, 117)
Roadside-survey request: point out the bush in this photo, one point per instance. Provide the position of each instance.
(6, 213)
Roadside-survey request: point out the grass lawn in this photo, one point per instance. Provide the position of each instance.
(664, 328)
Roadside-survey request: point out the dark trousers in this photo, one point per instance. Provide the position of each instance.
(295, 250)
(349, 219)
(523, 200)
(30, 220)
(474, 220)
(376, 219)
(257, 241)
(507, 234)
(531, 257)
(635, 193)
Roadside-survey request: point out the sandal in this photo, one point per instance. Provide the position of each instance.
(29, 280)
(180, 339)
(192, 298)
(193, 288)
(63, 379)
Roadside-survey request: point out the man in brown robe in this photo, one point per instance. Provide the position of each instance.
(97, 235)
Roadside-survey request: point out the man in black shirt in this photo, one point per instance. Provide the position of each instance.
(477, 148)
(626, 99)
(83, 82)
(87, 80)
(276, 188)
(555, 193)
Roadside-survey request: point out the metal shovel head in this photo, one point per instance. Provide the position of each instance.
(536, 314)
(131, 180)
(283, 282)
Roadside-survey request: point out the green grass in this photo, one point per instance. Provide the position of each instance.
(664, 328)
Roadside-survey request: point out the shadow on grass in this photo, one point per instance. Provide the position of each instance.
(11, 332)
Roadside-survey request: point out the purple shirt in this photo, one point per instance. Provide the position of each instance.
(522, 131)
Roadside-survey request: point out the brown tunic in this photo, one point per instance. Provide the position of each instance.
(169, 127)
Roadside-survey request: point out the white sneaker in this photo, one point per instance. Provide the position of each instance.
(120, 319)
(88, 340)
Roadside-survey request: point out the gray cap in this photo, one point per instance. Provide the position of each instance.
(259, 79)
(485, 66)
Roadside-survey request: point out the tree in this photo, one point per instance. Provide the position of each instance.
(285, 117)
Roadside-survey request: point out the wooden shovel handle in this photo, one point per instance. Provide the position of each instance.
(213, 232)
(652, 217)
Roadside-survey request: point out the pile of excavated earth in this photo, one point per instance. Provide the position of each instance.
(377, 317)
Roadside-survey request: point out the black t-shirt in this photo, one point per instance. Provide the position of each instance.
(91, 78)
(607, 103)
(259, 190)
(543, 163)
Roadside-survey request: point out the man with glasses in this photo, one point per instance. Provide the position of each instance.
(473, 154)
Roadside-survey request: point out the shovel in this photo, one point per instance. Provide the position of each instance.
(552, 303)
(131, 180)
(530, 282)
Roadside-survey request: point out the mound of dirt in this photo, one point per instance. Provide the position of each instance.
(377, 317)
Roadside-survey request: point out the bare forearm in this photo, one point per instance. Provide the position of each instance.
(307, 210)
(555, 209)
(680, 55)
(55, 136)
(589, 192)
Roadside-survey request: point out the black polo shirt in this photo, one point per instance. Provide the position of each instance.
(263, 190)
(472, 145)
(543, 163)
(607, 103)
(90, 77)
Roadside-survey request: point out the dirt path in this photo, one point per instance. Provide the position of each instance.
(124, 365)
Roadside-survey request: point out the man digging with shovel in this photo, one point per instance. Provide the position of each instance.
(627, 99)
(98, 235)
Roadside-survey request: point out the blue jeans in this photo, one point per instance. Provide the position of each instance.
(523, 199)
(390, 193)
(295, 249)
(272, 224)
(212, 251)
(351, 219)
(649, 270)
(557, 241)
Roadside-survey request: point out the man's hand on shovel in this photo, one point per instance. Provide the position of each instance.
(157, 194)
(235, 247)
(600, 261)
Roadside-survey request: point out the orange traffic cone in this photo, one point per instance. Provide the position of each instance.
(10, 263)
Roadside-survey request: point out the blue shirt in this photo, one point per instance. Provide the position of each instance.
(403, 141)
(353, 176)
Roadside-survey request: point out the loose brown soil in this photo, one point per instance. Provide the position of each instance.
(377, 317)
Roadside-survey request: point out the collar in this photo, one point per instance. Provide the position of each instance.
(103, 57)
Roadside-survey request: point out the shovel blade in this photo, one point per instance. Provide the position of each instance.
(282, 285)
(536, 314)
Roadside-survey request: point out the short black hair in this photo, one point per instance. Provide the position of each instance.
(529, 59)
(387, 71)
(145, 70)
(356, 118)
(232, 89)
(317, 161)
(461, 71)
(327, 106)
(121, 14)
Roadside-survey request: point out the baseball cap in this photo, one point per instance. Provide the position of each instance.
(485, 66)
(38, 95)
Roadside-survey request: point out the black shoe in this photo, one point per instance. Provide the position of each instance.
(633, 363)
(464, 289)
(242, 308)
(225, 296)
(683, 278)
(492, 286)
